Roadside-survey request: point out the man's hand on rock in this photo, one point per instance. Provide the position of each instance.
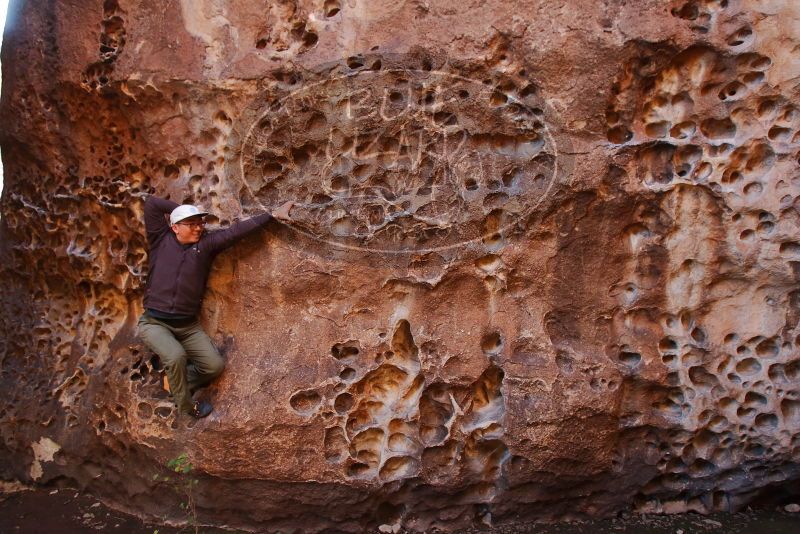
(282, 213)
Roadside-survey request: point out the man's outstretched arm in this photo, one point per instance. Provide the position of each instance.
(155, 209)
(222, 239)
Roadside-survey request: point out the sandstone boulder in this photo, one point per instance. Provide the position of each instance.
(544, 264)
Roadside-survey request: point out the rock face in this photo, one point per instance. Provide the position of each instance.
(544, 263)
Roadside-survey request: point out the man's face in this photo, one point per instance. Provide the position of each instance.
(188, 231)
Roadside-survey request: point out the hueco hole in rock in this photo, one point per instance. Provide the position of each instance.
(542, 262)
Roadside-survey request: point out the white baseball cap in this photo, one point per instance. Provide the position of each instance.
(184, 211)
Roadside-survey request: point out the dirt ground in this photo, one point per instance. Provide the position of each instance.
(41, 510)
(24, 511)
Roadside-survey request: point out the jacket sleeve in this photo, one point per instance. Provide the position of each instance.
(222, 239)
(154, 210)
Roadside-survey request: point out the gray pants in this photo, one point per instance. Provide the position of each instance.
(187, 353)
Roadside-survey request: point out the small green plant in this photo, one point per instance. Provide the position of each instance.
(182, 483)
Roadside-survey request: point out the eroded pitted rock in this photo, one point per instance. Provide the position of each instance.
(396, 423)
(544, 264)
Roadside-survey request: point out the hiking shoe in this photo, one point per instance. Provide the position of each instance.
(201, 409)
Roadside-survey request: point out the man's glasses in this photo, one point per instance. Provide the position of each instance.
(200, 224)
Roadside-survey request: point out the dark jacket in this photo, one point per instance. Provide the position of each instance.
(178, 273)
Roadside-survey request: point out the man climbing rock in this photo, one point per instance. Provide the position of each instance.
(180, 258)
